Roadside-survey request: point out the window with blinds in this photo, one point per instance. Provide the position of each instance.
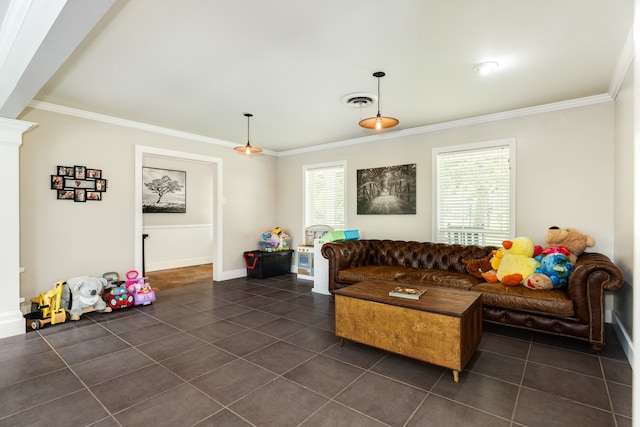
(324, 195)
(474, 193)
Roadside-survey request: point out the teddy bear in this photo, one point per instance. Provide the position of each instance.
(86, 294)
(477, 266)
(517, 263)
(575, 241)
(567, 241)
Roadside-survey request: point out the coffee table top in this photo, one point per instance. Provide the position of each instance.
(452, 302)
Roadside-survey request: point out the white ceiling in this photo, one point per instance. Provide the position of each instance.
(197, 65)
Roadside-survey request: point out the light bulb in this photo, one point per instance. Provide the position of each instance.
(378, 124)
(248, 151)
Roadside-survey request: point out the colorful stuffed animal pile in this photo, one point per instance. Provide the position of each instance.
(561, 251)
(519, 261)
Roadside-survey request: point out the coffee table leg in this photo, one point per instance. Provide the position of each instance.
(341, 342)
(456, 375)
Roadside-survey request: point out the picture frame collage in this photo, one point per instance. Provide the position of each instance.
(78, 183)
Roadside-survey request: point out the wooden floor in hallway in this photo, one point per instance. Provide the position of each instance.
(179, 277)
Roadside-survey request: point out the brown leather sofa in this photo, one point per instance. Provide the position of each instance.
(576, 311)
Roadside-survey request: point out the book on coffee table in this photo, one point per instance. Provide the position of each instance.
(407, 292)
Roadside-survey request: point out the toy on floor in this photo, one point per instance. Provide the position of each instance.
(116, 294)
(49, 308)
(86, 296)
(141, 291)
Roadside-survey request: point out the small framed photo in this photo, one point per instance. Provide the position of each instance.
(80, 195)
(101, 185)
(94, 195)
(80, 172)
(57, 182)
(94, 173)
(66, 195)
(66, 171)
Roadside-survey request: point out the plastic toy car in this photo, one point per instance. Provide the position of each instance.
(141, 291)
(118, 297)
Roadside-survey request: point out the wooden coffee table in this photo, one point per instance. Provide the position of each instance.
(443, 327)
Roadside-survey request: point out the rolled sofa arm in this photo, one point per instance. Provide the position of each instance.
(593, 274)
(343, 255)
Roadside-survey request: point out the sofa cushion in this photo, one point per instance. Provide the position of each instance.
(433, 277)
(368, 272)
(554, 302)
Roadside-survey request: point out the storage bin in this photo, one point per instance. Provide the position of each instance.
(340, 235)
(351, 235)
(333, 236)
(262, 264)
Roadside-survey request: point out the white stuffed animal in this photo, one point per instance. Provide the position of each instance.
(86, 293)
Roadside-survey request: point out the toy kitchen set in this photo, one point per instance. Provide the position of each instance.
(311, 264)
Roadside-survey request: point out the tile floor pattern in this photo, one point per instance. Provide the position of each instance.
(262, 352)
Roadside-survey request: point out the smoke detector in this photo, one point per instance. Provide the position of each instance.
(359, 100)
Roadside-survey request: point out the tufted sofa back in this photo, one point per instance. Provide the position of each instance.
(439, 256)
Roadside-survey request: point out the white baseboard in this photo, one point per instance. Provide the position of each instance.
(12, 323)
(166, 265)
(231, 274)
(625, 340)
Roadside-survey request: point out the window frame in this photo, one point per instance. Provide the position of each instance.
(305, 169)
(506, 142)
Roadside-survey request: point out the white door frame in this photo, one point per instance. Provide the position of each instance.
(141, 150)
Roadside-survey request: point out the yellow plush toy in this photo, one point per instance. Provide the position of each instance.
(517, 263)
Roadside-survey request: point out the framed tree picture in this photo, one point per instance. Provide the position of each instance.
(164, 191)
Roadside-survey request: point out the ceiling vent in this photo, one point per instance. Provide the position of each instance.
(359, 100)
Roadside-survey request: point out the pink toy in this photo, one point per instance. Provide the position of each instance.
(141, 291)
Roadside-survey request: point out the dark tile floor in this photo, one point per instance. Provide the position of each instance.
(262, 352)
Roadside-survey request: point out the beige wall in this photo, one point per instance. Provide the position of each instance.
(624, 200)
(564, 175)
(62, 239)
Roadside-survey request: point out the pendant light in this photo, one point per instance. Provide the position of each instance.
(378, 122)
(248, 149)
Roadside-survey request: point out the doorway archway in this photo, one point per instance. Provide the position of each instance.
(140, 152)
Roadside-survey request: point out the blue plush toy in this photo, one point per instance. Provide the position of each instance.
(553, 272)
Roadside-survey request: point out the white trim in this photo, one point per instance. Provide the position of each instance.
(624, 338)
(556, 106)
(178, 263)
(546, 108)
(140, 151)
(60, 109)
(10, 27)
(622, 67)
(173, 227)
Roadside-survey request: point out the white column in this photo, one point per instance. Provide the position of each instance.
(11, 320)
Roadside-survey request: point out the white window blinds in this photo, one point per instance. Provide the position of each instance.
(324, 200)
(474, 193)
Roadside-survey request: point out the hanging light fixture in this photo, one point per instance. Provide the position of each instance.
(378, 122)
(248, 149)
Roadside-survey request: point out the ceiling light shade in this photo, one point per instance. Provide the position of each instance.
(378, 122)
(248, 149)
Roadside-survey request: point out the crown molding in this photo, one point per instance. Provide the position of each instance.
(622, 67)
(522, 112)
(60, 109)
